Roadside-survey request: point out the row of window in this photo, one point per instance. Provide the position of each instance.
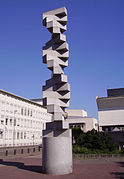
(24, 112)
(18, 109)
(21, 135)
(21, 123)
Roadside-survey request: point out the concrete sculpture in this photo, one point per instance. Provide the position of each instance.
(57, 144)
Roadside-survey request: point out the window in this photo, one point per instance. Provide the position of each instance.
(17, 135)
(14, 122)
(28, 112)
(6, 123)
(25, 112)
(22, 111)
(21, 135)
(18, 124)
(11, 122)
(1, 135)
(14, 135)
(24, 135)
(3, 102)
(31, 113)
(2, 121)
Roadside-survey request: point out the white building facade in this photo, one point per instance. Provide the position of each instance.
(111, 110)
(21, 121)
(79, 118)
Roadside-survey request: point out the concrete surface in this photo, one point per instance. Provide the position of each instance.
(57, 150)
(56, 92)
(57, 155)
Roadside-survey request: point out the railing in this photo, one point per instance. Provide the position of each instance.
(97, 156)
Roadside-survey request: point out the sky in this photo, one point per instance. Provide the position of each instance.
(95, 34)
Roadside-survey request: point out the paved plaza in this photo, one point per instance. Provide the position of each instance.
(29, 167)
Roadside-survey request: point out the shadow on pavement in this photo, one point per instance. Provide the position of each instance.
(119, 175)
(37, 169)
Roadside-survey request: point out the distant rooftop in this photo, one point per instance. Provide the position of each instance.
(38, 100)
(20, 98)
(114, 99)
(115, 92)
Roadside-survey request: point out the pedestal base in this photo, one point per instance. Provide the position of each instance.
(57, 152)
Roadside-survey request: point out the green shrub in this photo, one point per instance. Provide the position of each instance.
(92, 142)
(80, 150)
(83, 150)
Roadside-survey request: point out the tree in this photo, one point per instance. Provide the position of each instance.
(93, 140)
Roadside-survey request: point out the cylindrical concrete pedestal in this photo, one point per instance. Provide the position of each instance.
(57, 155)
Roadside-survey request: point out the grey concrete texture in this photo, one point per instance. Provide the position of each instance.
(57, 139)
(58, 132)
(57, 155)
(56, 92)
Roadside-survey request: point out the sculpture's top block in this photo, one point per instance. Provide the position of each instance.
(58, 11)
(55, 20)
(56, 92)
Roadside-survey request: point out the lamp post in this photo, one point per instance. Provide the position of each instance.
(5, 136)
(33, 139)
(1, 133)
(14, 124)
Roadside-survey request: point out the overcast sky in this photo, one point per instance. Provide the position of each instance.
(95, 36)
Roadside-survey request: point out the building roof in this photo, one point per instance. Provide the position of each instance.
(78, 119)
(20, 98)
(110, 102)
(37, 99)
(115, 92)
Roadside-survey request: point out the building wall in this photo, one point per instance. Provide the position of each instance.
(86, 124)
(79, 118)
(91, 123)
(20, 151)
(111, 117)
(111, 110)
(21, 121)
(76, 112)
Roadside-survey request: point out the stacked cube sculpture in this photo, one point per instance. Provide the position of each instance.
(57, 137)
(56, 92)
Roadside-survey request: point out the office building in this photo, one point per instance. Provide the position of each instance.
(21, 120)
(111, 110)
(79, 118)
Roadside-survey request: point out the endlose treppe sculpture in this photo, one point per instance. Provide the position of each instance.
(57, 142)
(56, 92)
